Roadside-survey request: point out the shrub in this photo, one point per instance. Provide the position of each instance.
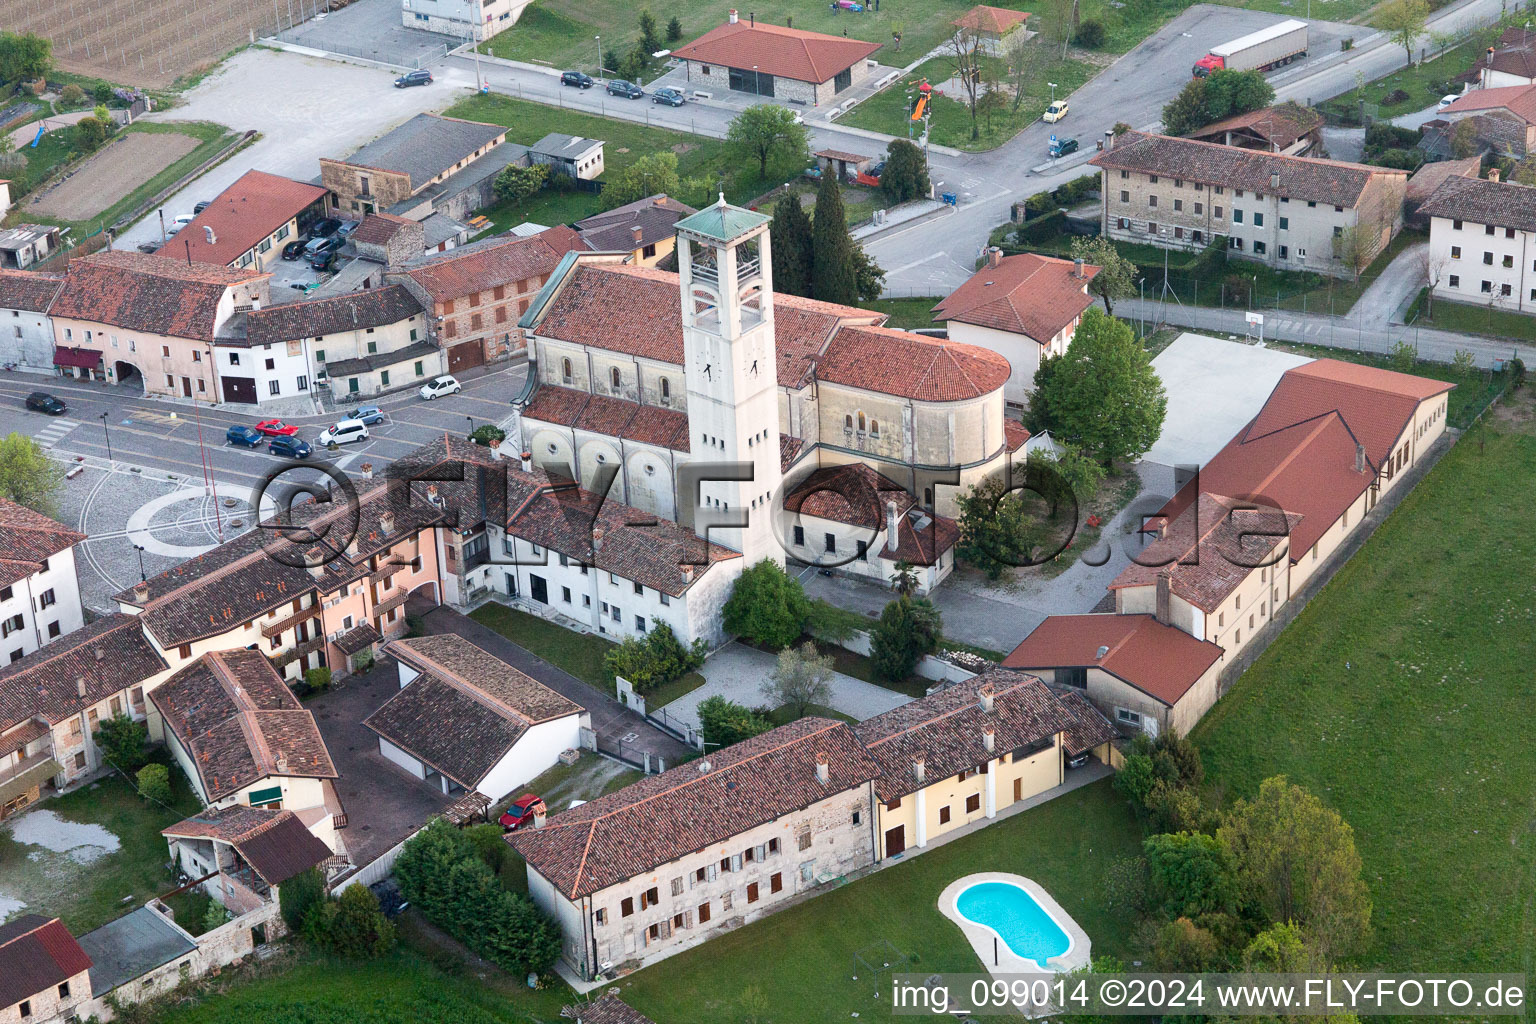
(654, 661)
(909, 628)
(489, 843)
(1517, 373)
(1464, 361)
(89, 133)
(1347, 43)
(1398, 159)
(1041, 228)
(1090, 34)
(1191, 873)
(485, 434)
(358, 928)
(72, 94)
(1395, 96)
(102, 93)
(1403, 357)
(297, 896)
(122, 740)
(724, 722)
(316, 680)
(767, 606)
(154, 781)
(215, 916)
(1385, 135)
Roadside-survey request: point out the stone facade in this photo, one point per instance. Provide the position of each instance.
(359, 190)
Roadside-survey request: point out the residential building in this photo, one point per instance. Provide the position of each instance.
(241, 855)
(644, 229)
(26, 330)
(570, 155)
(1428, 179)
(242, 739)
(963, 754)
(402, 164)
(44, 974)
(1513, 62)
(1505, 117)
(466, 19)
(476, 293)
(362, 343)
(25, 244)
(1024, 308)
(39, 591)
(1146, 676)
(1480, 234)
(468, 722)
(389, 240)
(993, 28)
(249, 223)
(1289, 129)
(53, 701)
(1289, 212)
(785, 64)
(160, 324)
(675, 858)
(606, 1009)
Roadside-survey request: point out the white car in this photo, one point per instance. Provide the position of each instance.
(444, 385)
(344, 432)
(1446, 101)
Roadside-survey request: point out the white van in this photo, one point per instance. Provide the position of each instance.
(344, 432)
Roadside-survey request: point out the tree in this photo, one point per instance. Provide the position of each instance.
(654, 174)
(1191, 873)
(909, 629)
(1090, 34)
(1117, 275)
(767, 606)
(965, 55)
(24, 57)
(1229, 93)
(1296, 861)
(516, 184)
(1184, 947)
(484, 434)
(725, 722)
(906, 173)
(633, 65)
(1186, 111)
(1404, 22)
(215, 916)
(89, 133)
(791, 234)
(654, 661)
(992, 101)
(650, 42)
(834, 277)
(996, 532)
(868, 277)
(1103, 393)
(674, 30)
(1464, 141)
(1357, 245)
(904, 579)
(154, 781)
(768, 133)
(358, 929)
(1079, 473)
(801, 678)
(121, 742)
(296, 896)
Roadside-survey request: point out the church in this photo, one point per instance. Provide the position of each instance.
(845, 442)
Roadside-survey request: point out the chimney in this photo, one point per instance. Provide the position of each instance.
(891, 524)
(687, 574)
(1359, 457)
(1077, 268)
(495, 447)
(314, 561)
(989, 738)
(387, 519)
(732, 19)
(823, 772)
(597, 538)
(988, 697)
(753, 16)
(1493, 174)
(80, 685)
(1164, 597)
(538, 817)
(635, 233)
(919, 767)
(141, 592)
(1109, 139)
(527, 458)
(1490, 56)
(432, 499)
(1274, 181)
(994, 256)
(100, 654)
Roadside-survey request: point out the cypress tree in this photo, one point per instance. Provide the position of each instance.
(791, 243)
(833, 276)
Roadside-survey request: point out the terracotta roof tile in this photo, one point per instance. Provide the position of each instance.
(614, 229)
(607, 1009)
(776, 50)
(154, 294)
(1429, 177)
(461, 663)
(1280, 125)
(314, 318)
(481, 266)
(244, 214)
(615, 417)
(276, 844)
(1501, 203)
(996, 20)
(110, 655)
(895, 362)
(36, 955)
(378, 228)
(1519, 100)
(1160, 661)
(27, 539)
(23, 289)
(1037, 296)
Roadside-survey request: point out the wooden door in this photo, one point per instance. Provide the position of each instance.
(895, 840)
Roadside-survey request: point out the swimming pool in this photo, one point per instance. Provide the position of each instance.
(1027, 928)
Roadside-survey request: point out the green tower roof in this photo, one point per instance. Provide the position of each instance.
(722, 222)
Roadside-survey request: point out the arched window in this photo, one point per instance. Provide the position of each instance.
(847, 422)
(874, 428)
(613, 375)
(565, 370)
(666, 389)
(861, 421)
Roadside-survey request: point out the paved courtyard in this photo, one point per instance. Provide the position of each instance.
(737, 672)
(372, 29)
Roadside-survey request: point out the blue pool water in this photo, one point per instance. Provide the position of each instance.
(1024, 925)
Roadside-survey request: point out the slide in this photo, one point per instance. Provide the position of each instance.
(39, 136)
(922, 105)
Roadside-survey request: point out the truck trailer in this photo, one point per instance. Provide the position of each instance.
(1257, 51)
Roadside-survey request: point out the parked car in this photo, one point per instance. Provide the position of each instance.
(276, 428)
(1446, 101)
(245, 437)
(1055, 112)
(369, 414)
(1078, 760)
(444, 385)
(670, 96)
(418, 77)
(522, 812)
(329, 243)
(1061, 147)
(42, 401)
(200, 207)
(629, 90)
(579, 79)
(290, 447)
(324, 228)
(294, 249)
(323, 260)
(344, 432)
(183, 219)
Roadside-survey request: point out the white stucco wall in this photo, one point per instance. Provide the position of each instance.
(534, 752)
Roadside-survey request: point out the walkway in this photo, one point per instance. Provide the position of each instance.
(737, 673)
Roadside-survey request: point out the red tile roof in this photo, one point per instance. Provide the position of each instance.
(378, 228)
(502, 260)
(1519, 100)
(896, 362)
(1037, 296)
(153, 294)
(1280, 125)
(694, 806)
(247, 212)
(616, 417)
(36, 955)
(274, 843)
(27, 539)
(107, 656)
(858, 495)
(775, 50)
(1160, 661)
(23, 289)
(997, 20)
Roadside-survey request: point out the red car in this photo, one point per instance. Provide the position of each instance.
(276, 428)
(522, 812)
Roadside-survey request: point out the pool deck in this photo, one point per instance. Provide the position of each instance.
(992, 951)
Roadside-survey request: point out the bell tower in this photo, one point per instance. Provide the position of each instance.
(724, 271)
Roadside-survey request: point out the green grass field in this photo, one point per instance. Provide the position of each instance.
(906, 313)
(1386, 698)
(1469, 318)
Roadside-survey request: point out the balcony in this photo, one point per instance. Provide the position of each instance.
(276, 626)
(31, 771)
(476, 558)
(394, 602)
(295, 653)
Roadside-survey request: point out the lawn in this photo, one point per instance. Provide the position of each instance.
(1467, 318)
(1424, 83)
(909, 313)
(1385, 698)
(88, 895)
(1065, 845)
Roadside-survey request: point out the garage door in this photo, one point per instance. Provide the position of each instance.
(463, 356)
(240, 389)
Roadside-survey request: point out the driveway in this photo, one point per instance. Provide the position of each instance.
(737, 672)
(372, 29)
(611, 720)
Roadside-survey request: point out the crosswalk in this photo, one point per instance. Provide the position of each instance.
(54, 432)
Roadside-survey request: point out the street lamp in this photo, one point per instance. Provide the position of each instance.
(471, 420)
(757, 81)
(1053, 91)
(599, 57)
(108, 436)
(140, 549)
